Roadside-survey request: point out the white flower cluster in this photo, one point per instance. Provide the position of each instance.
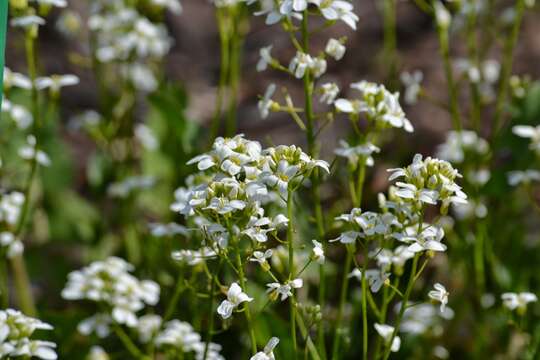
(423, 318)
(241, 178)
(356, 154)
(413, 86)
(485, 76)
(110, 283)
(10, 212)
(459, 144)
(332, 10)
(15, 332)
(377, 104)
(177, 336)
(429, 181)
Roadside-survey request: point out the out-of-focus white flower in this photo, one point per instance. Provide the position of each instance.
(335, 49)
(69, 23)
(266, 58)
(356, 153)
(97, 353)
(413, 85)
(100, 324)
(519, 301)
(374, 277)
(27, 21)
(266, 103)
(268, 351)
(30, 152)
(523, 177)
(261, 257)
(318, 252)
(15, 79)
(439, 294)
(110, 282)
(235, 297)
(56, 82)
(421, 318)
(329, 92)
(148, 326)
(173, 5)
(57, 3)
(386, 332)
(338, 10)
(146, 137)
(440, 352)
(141, 76)
(193, 257)
(529, 132)
(20, 115)
(169, 229)
(284, 290)
(442, 15)
(10, 207)
(125, 187)
(14, 246)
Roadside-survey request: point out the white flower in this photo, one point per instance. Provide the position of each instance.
(338, 10)
(335, 49)
(318, 252)
(15, 79)
(57, 3)
(355, 153)
(428, 240)
(519, 301)
(14, 246)
(374, 277)
(411, 192)
(442, 15)
(268, 352)
(386, 332)
(10, 206)
(413, 85)
(148, 326)
(266, 103)
(347, 237)
(329, 92)
(300, 64)
(266, 58)
(531, 132)
(460, 143)
(97, 353)
(20, 115)
(146, 137)
(260, 257)
(56, 82)
(141, 76)
(318, 67)
(173, 5)
(27, 21)
(99, 324)
(235, 297)
(30, 152)
(523, 177)
(284, 290)
(170, 229)
(439, 294)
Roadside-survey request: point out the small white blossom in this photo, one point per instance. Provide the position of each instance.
(329, 92)
(235, 297)
(266, 103)
(284, 290)
(375, 278)
(268, 352)
(318, 252)
(519, 301)
(530, 132)
(523, 177)
(386, 332)
(30, 152)
(439, 294)
(56, 82)
(335, 49)
(413, 85)
(266, 58)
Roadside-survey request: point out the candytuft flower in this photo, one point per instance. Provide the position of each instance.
(268, 352)
(439, 294)
(386, 331)
(235, 297)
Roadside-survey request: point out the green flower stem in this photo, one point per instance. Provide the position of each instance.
(342, 300)
(364, 305)
(472, 47)
(506, 70)
(479, 257)
(236, 44)
(179, 288)
(290, 240)
(211, 304)
(249, 320)
(403, 306)
(18, 266)
(390, 40)
(128, 343)
(4, 285)
(223, 73)
(452, 90)
(309, 85)
(3, 35)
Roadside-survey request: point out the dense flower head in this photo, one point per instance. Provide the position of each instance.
(109, 282)
(15, 332)
(377, 104)
(428, 181)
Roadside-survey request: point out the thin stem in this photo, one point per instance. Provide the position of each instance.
(211, 312)
(403, 306)
(290, 240)
(452, 90)
(364, 306)
(249, 321)
(176, 296)
(342, 300)
(472, 46)
(223, 74)
(390, 39)
(315, 179)
(128, 343)
(506, 70)
(234, 70)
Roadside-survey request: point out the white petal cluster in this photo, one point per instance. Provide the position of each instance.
(302, 63)
(179, 336)
(193, 257)
(518, 301)
(11, 245)
(439, 294)
(429, 239)
(14, 79)
(529, 132)
(518, 177)
(485, 76)
(355, 154)
(374, 277)
(332, 10)
(55, 82)
(459, 144)
(329, 92)
(284, 291)
(429, 181)
(15, 332)
(18, 113)
(367, 225)
(110, 283)
(10, 207)
(422, 318)
(386, 331)
(235, 297)
(124, 188)
(413, 86)
(30, 151)
(268, 351)
(377, 104)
